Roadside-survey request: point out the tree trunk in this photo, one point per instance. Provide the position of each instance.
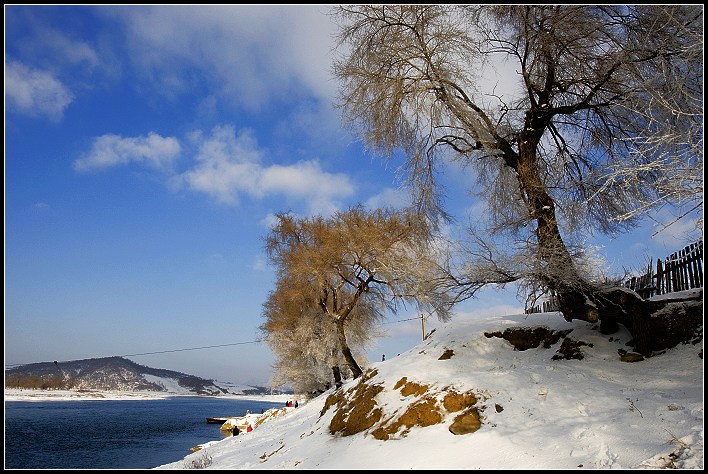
(337, 376)
(346, 352)
(578, 298)
(654, 325)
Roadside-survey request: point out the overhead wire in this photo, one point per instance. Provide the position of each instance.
(193, 348)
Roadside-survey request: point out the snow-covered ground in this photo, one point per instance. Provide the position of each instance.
(536, 412)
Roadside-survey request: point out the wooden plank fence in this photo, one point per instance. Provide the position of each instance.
(682, 270)
(549, 303)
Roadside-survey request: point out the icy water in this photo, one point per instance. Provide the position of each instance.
(113, 434)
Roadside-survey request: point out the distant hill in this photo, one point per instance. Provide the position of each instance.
(117, 374)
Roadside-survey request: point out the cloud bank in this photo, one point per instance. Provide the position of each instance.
(226, 166)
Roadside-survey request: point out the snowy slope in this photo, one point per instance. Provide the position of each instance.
(536, 412)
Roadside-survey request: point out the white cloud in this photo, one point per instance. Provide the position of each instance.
(680, 232)
(307, 180)
(250, 54)
(390, 197)
(269, 221)
(112, 150)
(34, 92)
(73, 52)
(229, 166)
(259, 265)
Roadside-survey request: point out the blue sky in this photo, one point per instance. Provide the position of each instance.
(147, 148)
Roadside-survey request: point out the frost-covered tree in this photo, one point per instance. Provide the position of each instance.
(304, 339)
(600, 123)
(339, 276)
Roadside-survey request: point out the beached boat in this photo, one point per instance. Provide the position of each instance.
(217, 420)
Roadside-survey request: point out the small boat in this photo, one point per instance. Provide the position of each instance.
(217, 420)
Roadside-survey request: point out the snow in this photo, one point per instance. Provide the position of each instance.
(598, 412)
(536, 412)
(170, 384)
(30, 395)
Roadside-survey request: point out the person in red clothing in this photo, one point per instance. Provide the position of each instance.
(249, 429)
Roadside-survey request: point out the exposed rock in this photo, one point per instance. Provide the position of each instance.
(466, 422)
(570, 349)
(410, 388)
(357, 410)
(446, 355)
(676, 322)
(455, 401)
(529, 338)
(631, 357)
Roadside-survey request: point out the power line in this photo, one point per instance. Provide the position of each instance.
(401, 320)
(165, 351)
(193, 348)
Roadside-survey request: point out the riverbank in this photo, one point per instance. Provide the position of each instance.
(28, 395)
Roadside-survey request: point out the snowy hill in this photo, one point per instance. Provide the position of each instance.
(517, 392)
(123, 375)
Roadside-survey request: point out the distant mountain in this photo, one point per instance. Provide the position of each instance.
(117, 374)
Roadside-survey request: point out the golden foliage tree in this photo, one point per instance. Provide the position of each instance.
(338, 277)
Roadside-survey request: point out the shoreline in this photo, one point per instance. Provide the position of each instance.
(32, 395)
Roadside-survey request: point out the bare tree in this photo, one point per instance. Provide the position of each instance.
(352, 268)
(604, 123)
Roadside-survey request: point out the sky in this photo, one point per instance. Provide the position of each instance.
(147, 150)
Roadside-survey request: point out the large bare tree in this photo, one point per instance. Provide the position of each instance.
(352, 269)
(601, 122)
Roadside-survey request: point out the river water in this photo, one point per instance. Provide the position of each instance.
(114, 434)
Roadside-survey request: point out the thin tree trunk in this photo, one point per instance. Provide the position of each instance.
(337, 376)
(346, 352)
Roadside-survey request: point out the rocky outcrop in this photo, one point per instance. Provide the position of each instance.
(358, 410)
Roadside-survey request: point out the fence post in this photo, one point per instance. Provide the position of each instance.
(659, 277)
(674, 272)
(700, 264)
(683, 261)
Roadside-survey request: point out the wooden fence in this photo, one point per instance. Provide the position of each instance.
(682, 270)
(549, 303)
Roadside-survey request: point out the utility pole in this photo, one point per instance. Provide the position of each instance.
(422, 323)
